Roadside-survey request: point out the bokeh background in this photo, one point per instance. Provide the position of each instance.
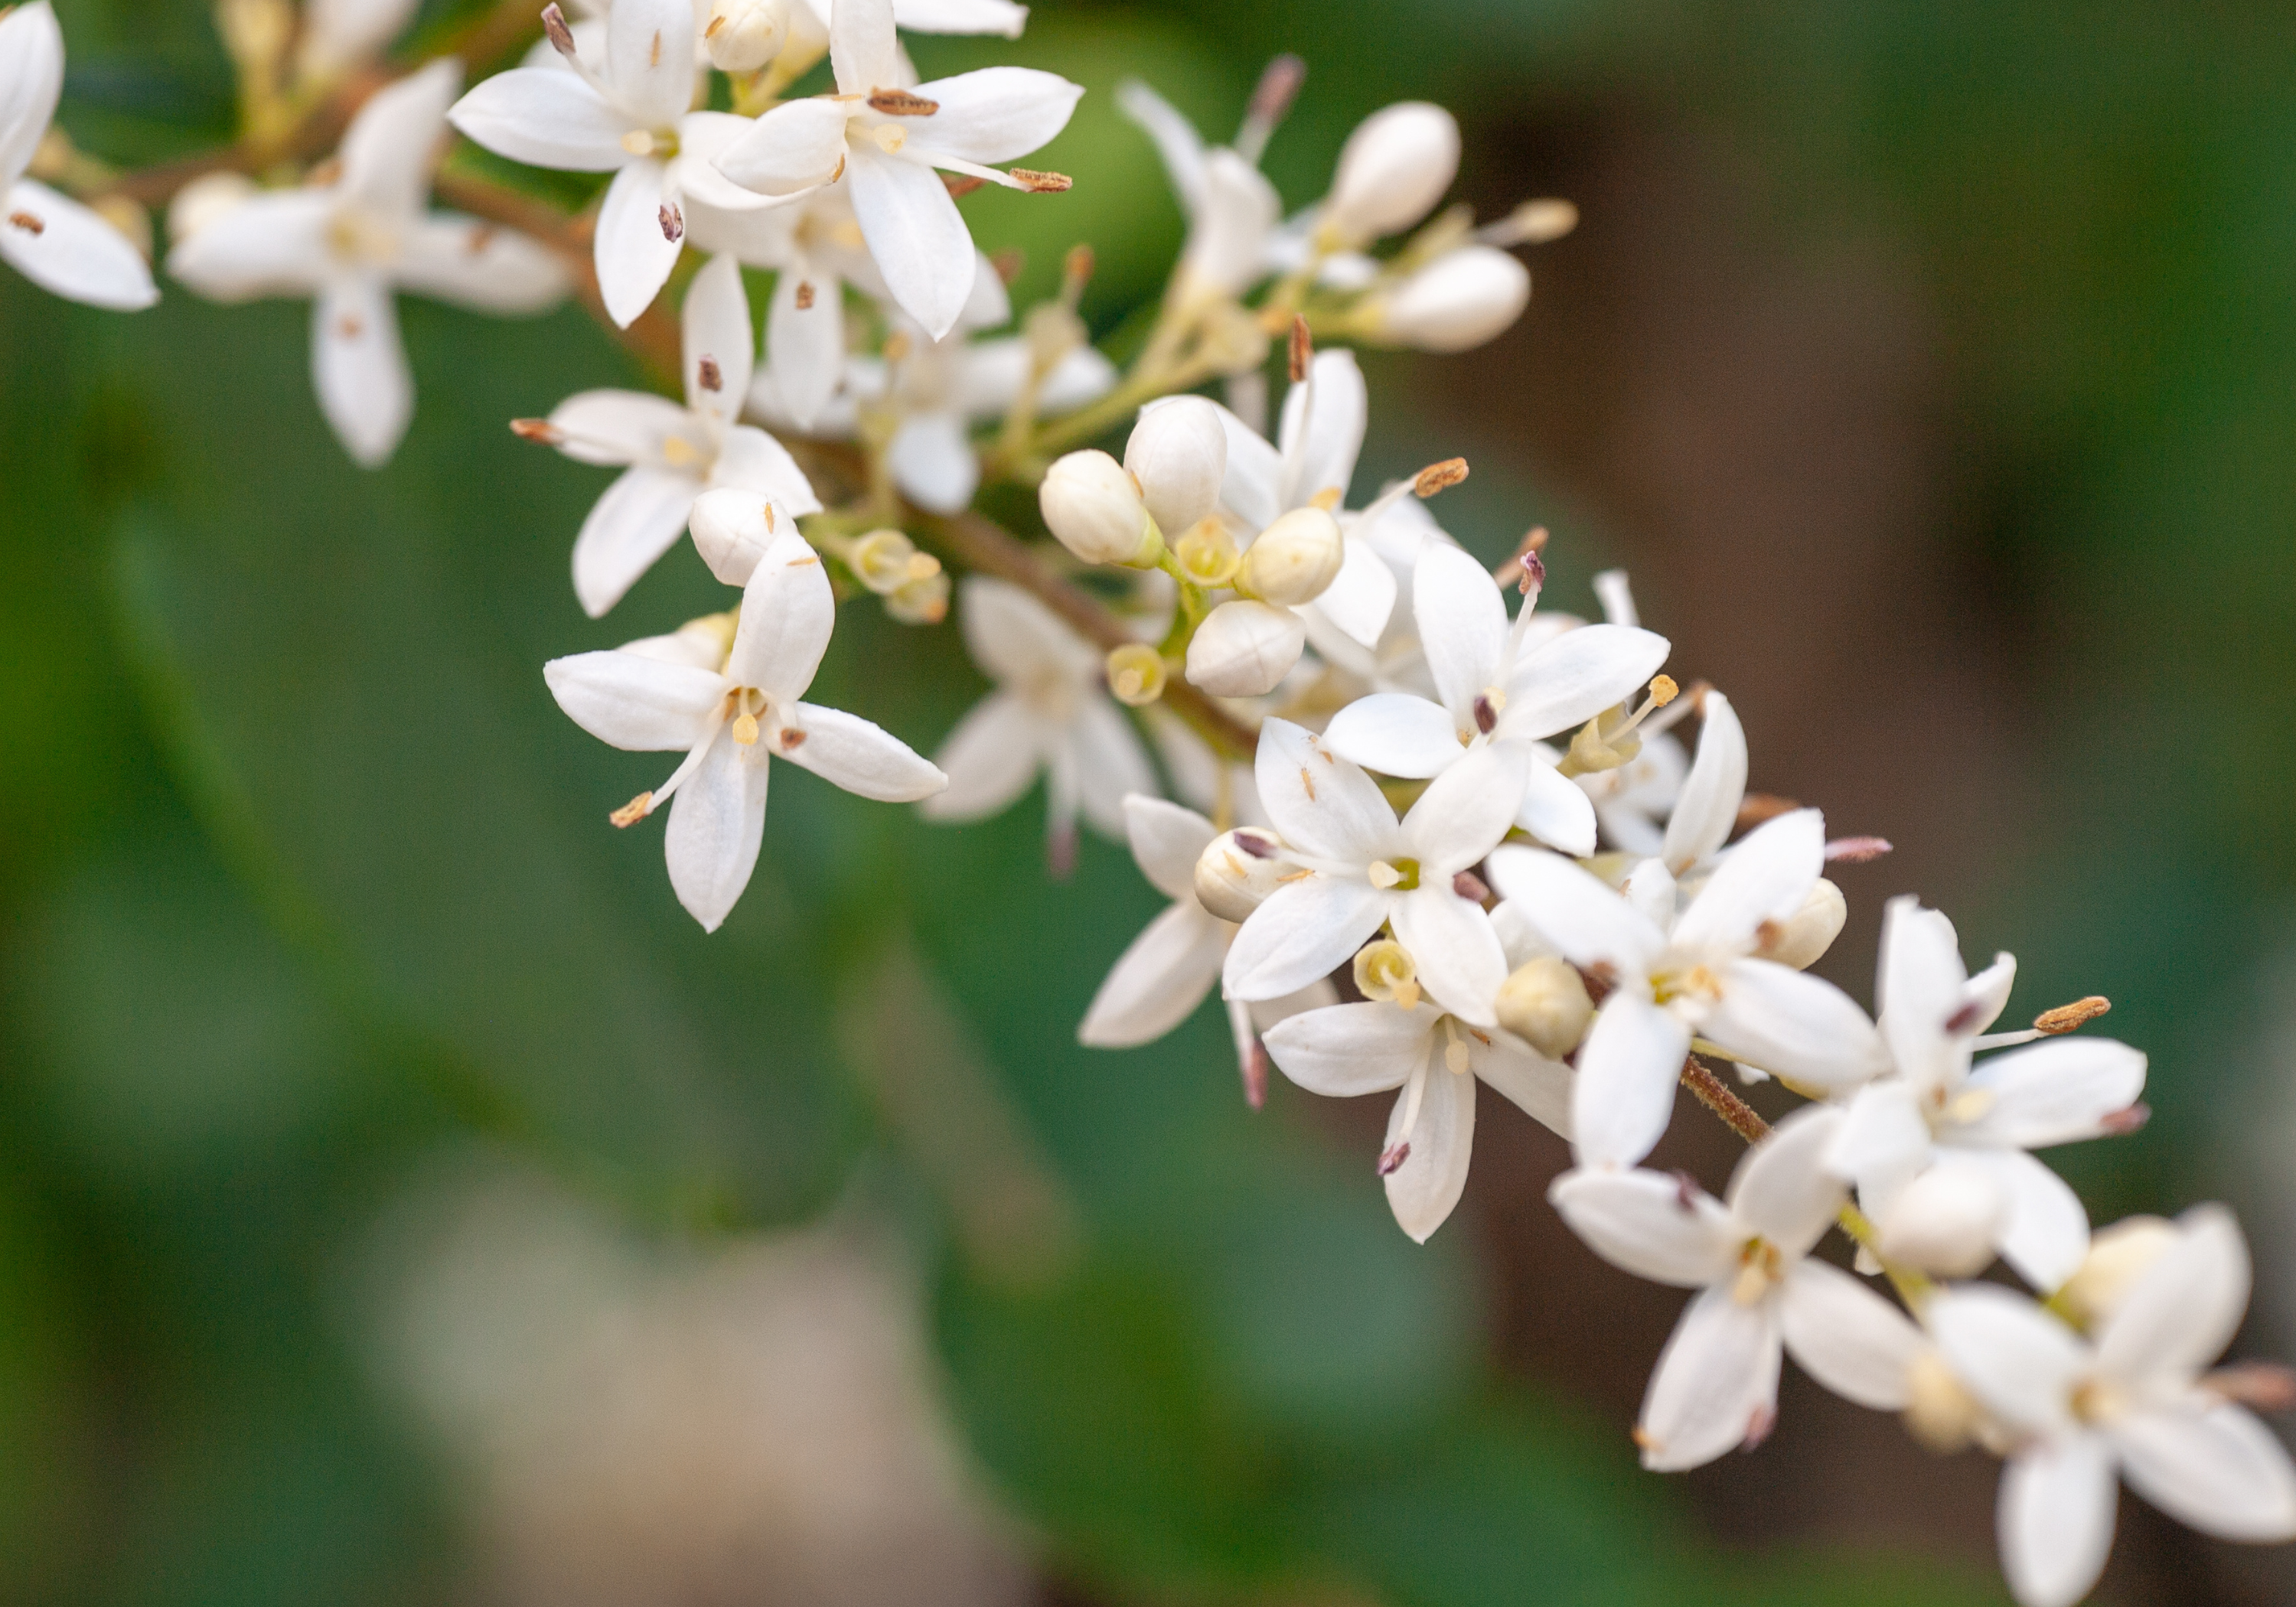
(401, 1200)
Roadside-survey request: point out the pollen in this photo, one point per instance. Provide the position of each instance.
(634, 811)
(1041, 184)
(1438, 477)
(2064, 1017)
(27, 222)
(1663, 691)
(901, 102)
(745, 730)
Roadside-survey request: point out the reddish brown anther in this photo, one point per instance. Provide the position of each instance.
(1438, 477)
(2064, 1017)
(1756, 808)
(1302, 349)
(555, 28)
(1040, 184)
(1856, 850)
(1470, 887)
(27, 222)
(805, 295)
(673, 224)
(712, 377)
(2122, 1123)
(538, 429)
(1255, 845)
(1391, 1159)
(901, 102)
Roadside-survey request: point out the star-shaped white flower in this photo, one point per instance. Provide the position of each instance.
(1362, 868)
(730, 723)
(1492, 691)
(1672, 971)
(628, 113)
(1230, 207)
(1716, 1385)
(674, 454)
(351, 242)
(1049, 713)
(2134, 1402)
(60, 245)
(886, 140)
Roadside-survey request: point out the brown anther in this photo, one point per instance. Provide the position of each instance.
(1663, 691)
(553, 27)
(1760, 1422)
(804, 295)
(349, 327)
(1601, 977)
(2064, 1017)
(1302, 349)
(1255, 845)
(1470, 887)
(1685, 1192)
(1390, 1161)
(481, 239)
(1438, 477)
(1255, 1076)
(1965, 1018)
(1487, 718)
(640, 807)
(1857, 850)
(1524, 568)
(2264, 1386)
(1307, 782)
(1644, 1440)
(1756, 808)
(1767, 936)
(716, 23)
(712, 377)
(673, 220)
(961, 184)
(1278, 85)
(2121, 1123)
(791, 739)
(1040, 184)
(1008, 264)
(1077, 266)
(901, 102)
(538, 429)
(323, 173)
(27, 222)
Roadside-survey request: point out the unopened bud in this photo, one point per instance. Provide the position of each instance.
(883, 561)
(1238, 870)
(921, 601)
(1294, 561)
(1800, 940)
(732, 529)
(1136, 675)
(1461, 299)
(203, 201)
(1385, 973)
(1094, 507)
(1208, 554)
(1242, 649)
(1545, 1005)
(741, 35)
(1944, 1222)
(2118, 1256)
(1179, 454)
(1393, 169)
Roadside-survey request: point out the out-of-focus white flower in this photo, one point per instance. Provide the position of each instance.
(1716, 1386)
(2133, 1402)
(60, 245)
(731, 723)
(1436, 1060)
(1178, 456)
(1673, 972)
(674, 452)
(628, 113)
(886, 140)
(1463, 298)
(1365, 869)
(1392, 171)
(354, 241)
(341, 34)
(1230, 208)
(1048, 713)
(1493, 691)
(1940, 1138)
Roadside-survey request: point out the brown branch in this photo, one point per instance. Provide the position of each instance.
(1712, 1093)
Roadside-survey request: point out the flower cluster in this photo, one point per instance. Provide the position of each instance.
(1421, 842)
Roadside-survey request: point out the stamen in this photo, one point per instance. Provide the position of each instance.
(1454, 1052)
(1857, 850)
(1279, 86)
(1524, 566)
(711, 376)
(1307, 782)
(1391, 1162)
(2265, 1386)
(901, 102)
(2064, 1017)
(654, 56)
(1302, 349)
(1487, 704)
(805, 295)
(1008, 263)
(1685, 1193)
(640, 807)
(1076, 273)
(1438, 477)
(27, 222)
(673, 222)
(538, 429)
(1755, 808)
(1469, 886)
(745, 730)
(1255, 845)
(2123, 1122)
(1040, 184)
(638, 141)
(791, 739)
(555, 28)
(1383, 875)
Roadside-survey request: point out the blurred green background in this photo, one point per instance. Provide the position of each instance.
(398, 1189)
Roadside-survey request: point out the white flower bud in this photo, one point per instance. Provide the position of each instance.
(1393, 169)
(1093, 507)
(742, 35)
(732, 529)
(1294, 559)
(2118, 1256)
(1944, 1222)
(1179, 454)
(1462, 299)
(1801, 940)
(1545, 1003)
(1242, 649)
(203, 201)
(1238, 870)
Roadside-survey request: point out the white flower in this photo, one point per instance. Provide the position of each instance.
(1049, 713)
(60, 245)
(1230, 207)
(675, 453)
(1672, 972)
(338, 35)
(1364, 868)
(628, 114)
(887, 141)
(1163, 975)
(1436, 1060)
(1394, 167)
(1492, 691)
(2133, 1402)
(351, 243)
(1463, 298)
(1716, 1385)
(731, 723)
(1953, 1132)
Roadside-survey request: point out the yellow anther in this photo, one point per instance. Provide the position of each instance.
(1385, 973)
(679, 453)
(1663, 691)
(637, 142)
(745, 730)
(1327, 499)
(1384, 875)
(890, 137)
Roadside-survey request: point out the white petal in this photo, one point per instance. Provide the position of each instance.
(1555, 810)
(1782, 1189)
(1424, 1191)
(2044, 1234)
(805, 346)
(1538, 1086)
(990, 758)
(1228, 236)
(1848, 1338)
(634, 702)
(31, 82)
(1465, 812)
(1883, 1141)
(633, 524)
(1111, 764)
(1796, 1026)
(1167, 840)
(1322, 429)
(792, 148)
(862, 48)
(1345, 1050)
(2020, 1362)
(1707, 809)
(1652, 1224)
(916, 235)
(1396, 733)
(998, 114)
(1766, 877)
(1581, 914)
(619, 426)
(1576, 677)
(389, 148)
(934, 463)
(1254, 471)
(475, 265)
(716, 323)
(1176, 139)
(1716, 1385)
(695, 176)
(268, 245)
(545, 117)
(2183, 1312)
(1305, 931)
(1014, 637)
(74, 253)
(750, 460)
(1917, 990)
(1361, 596)
(861, 757)
(1083, 376)
(961, 17)
(787, 614)
(1320, 804)
(2054, 1093)
(2057, 1506)
(1628, 1068)
(359, 366)
(2212, 1465)
(633, 252)
(650, 59)
(1158, 981)
(1462, 625)
(716, 822)
(1459, 959)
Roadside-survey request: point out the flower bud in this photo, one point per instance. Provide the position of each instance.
(1294, 559)
(1462, 299)
(886, 560)
(1386, 974)
(921, 601)
(1242, 649)
(1179, 454)
(742, 35)
(203, 201)
(1393, 169)
(2118, 1256)
(1094, 508)
(1804, 937)
(1136, 675)
(1545, 1003)
(1238, 870)
(1944, 1222)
